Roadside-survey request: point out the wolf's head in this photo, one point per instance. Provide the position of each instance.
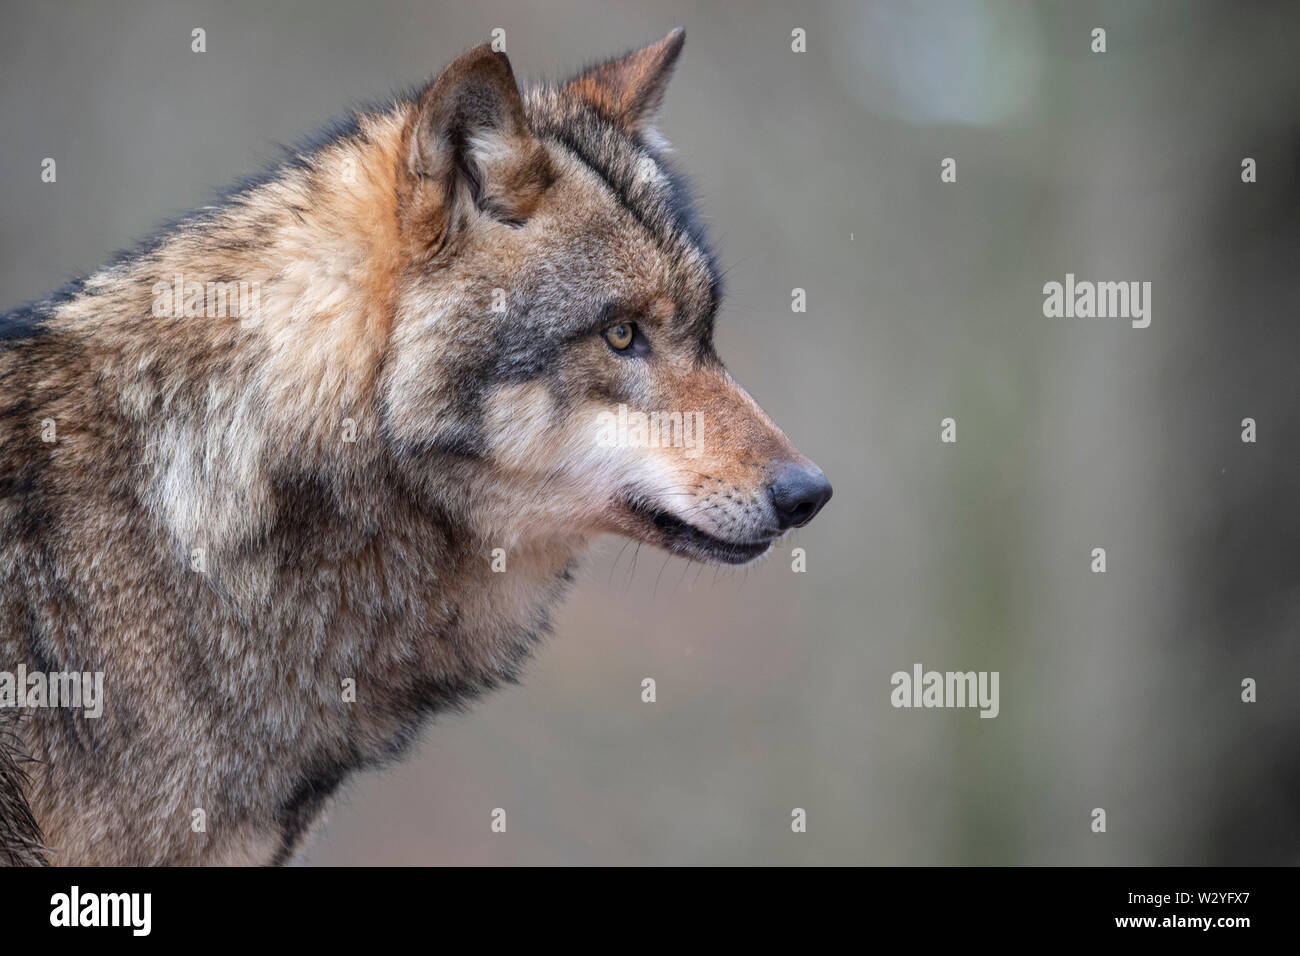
(553, 334)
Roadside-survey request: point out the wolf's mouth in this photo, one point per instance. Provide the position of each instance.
(689, 541)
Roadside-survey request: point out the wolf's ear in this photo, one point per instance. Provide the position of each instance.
(470, 152)
(628, 91)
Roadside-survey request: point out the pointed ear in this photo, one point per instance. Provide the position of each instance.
(470, 152)
(628, 91)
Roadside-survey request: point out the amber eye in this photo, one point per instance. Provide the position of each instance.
(620, 336)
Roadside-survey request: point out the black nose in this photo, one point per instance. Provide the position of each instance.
(797, 494)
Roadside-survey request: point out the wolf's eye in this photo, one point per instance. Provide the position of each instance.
(621, 336)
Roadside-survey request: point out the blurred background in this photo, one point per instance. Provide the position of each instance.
(820, 170)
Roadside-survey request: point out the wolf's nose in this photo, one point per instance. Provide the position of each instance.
(797, 494)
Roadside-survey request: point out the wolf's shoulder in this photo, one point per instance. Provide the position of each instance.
(29, 321)
(22, 323)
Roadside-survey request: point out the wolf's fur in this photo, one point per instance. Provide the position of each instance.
(377, 253)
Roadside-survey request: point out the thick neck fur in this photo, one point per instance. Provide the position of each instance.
(205, 531)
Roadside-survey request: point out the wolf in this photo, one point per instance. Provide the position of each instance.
(290, 522)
